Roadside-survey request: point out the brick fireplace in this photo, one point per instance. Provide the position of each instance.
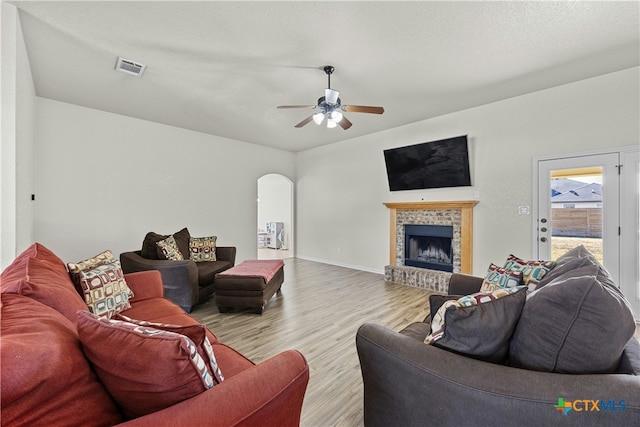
(457, 216)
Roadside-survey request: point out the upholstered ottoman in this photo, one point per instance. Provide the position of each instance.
(250, 284)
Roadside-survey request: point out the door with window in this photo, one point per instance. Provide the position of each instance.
(630, 226)
(592, 200)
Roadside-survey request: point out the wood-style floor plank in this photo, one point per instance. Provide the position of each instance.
(318, 313)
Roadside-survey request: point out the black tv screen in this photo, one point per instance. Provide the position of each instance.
(436, 164)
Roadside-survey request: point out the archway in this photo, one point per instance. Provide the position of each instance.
(275, 226)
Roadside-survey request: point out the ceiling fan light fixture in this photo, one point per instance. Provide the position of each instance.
(331, 96)
(318, 117)
(330, 106)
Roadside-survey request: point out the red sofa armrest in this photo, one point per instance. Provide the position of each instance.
(145, 285)
(267, 394)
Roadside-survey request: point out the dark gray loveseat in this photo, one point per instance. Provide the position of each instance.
(410, 383)
(186, 283)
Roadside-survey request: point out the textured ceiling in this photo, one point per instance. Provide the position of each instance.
(222, 67)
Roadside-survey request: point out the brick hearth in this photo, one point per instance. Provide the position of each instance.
(456, 214)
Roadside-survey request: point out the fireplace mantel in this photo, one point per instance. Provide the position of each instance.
(466, 209)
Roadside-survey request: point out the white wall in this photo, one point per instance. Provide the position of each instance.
(104, 181)
(25, 137)
(8, 70)
(341, 188)
(16, 153)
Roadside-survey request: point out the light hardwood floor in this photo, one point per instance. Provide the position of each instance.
(318, 313)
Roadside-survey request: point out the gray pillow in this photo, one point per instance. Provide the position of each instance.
(483, 331)
(578, 323)
(572, 259)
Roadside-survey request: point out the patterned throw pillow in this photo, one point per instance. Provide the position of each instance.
(168, 249)
(144, 369)
(479, 325)
(89, 263)
(196, 333)
(104, 288)
(532, 271)
(76, 267)
(498, 277)
(202, 248)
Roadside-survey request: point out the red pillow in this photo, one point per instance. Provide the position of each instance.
(17, 270)
(49, 285)
(196, 332)
(46, 379)
(144, 369)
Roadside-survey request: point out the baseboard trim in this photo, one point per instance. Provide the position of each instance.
(341, 264)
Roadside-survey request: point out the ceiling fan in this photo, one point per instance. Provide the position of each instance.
(330, 106)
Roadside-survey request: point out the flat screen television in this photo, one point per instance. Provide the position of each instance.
(436, 164)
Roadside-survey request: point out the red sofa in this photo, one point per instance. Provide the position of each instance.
(47, 379)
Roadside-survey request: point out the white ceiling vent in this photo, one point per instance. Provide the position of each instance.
(130, 67)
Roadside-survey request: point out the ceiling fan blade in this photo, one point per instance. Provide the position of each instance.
(363, 109)
(345, 123)
(296, 106)
(304, 122)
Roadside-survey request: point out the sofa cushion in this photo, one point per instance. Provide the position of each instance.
(479, 325)
(203, 248)
(532, 271)
(498, 277)
(578, 323)
(195, 332)
(149, 248)
(45, 281)
(168, 249)
(155, 310)
(16, 271)
(104, 288)
(46, 379)
(152, 369)
(231, 362)
(207, 271)
(418, 331)
(570, 261)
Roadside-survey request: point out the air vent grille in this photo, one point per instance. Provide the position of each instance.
(130, 67)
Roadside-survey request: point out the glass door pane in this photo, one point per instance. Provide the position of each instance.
(576, 210)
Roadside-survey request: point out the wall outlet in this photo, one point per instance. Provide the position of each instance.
(523, 210)
(339, 251)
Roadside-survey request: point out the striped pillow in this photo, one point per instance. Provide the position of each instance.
(144, 369)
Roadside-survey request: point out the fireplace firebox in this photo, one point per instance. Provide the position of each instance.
(429, 246)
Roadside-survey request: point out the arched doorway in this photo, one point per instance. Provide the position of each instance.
(275, 217)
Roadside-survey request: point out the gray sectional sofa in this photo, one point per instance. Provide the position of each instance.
(572, 360)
